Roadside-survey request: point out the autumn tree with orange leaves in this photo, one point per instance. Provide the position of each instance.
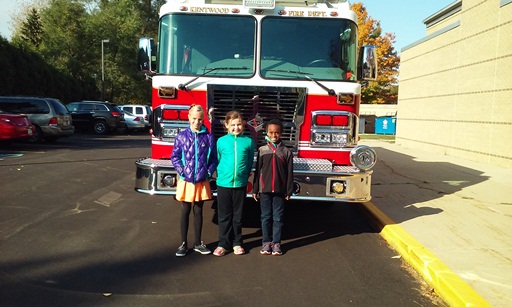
(385, 89)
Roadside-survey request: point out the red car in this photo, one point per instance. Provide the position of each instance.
(15, 127)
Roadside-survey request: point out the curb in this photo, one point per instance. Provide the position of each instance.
(450, 287)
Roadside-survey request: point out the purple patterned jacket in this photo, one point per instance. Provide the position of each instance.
(194, 155)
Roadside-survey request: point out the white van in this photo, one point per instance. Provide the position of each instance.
(139, 110)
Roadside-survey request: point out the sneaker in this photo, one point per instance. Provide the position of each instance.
(276, 249)
(182, 250)
(219, 251)
(238, 250)
(201, 248)
(266, 249)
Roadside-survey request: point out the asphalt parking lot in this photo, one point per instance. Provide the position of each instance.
(74, 232)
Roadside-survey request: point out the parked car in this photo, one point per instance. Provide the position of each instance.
(139, 110)
(14, 127)
(98, 116)
(133, 122)
(49, 115)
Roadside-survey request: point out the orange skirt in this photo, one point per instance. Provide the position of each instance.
(190, 192)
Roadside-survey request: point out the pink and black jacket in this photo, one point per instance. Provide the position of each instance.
(274, 170)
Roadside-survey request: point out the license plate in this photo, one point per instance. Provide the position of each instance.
(29, 131)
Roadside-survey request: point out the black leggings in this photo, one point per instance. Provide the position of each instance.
(186, 207)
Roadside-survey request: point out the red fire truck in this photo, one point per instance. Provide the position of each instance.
(293, 60)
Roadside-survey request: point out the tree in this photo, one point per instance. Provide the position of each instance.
(123, 22)
(20, 13)
(61, 49)
(70, 41)
(24, 72)
(370, 33)
(32, 29)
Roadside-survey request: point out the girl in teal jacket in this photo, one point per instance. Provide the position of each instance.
(235, 153)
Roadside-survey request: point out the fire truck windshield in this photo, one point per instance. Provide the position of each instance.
(323, 49)
(195, 44)
(320, 48)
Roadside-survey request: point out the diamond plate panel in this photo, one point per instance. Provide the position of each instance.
(158, 162)
(302, 164)
(346, 169)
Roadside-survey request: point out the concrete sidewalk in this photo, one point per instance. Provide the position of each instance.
(449, 218)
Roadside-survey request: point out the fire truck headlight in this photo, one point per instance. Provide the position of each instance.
(363, 157)
(338, 187)
(296, 187)
(169, 180)
(339, 138)
(322, 137)
(171, 132)
(332, 139)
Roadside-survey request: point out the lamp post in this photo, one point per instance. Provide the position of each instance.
(103, 70)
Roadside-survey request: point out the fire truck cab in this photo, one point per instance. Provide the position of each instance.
(292, 60)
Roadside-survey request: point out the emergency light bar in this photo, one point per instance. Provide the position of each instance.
(260, 4)
(270, 4)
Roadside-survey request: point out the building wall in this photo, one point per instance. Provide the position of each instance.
(378, 109)
(455, 92)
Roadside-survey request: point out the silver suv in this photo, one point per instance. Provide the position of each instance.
(50, 117)
(139, 110)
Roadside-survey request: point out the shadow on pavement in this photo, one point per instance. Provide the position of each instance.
(403, 185)
(80, 141)
(118, 247)
(306, 223)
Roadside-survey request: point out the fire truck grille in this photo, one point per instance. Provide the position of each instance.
(258, 105)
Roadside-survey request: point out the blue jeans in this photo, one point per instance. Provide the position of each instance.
(272, 216)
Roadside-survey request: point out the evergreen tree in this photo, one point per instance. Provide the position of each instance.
(32, 29)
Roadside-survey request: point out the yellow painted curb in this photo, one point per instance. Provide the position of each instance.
(450, 287)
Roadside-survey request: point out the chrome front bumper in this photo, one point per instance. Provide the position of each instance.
(314, 179)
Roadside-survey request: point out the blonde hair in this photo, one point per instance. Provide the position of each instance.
(196, 107)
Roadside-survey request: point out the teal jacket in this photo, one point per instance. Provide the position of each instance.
(235, 155)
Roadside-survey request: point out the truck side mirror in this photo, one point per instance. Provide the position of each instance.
(367, 63)
(146, 59)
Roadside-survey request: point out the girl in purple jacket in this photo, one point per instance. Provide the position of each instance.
(195, 159)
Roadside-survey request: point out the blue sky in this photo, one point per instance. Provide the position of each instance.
(404, 18)
(6, 9)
